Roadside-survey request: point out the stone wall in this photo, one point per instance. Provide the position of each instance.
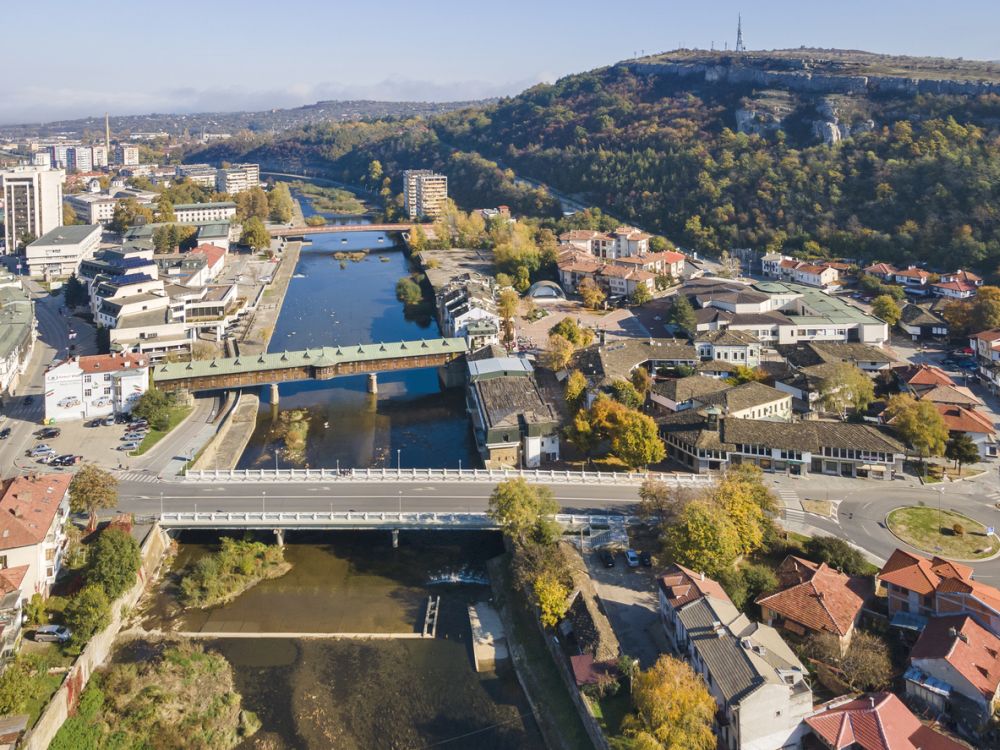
(154, 547)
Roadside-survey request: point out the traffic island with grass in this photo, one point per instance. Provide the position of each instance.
(945, 532)
(176, 415)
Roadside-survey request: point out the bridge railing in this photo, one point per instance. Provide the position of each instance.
(547, 476)
(305, 519)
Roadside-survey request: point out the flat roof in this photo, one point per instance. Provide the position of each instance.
(193, 206)
(71, 235)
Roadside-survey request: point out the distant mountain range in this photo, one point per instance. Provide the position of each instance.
(232, 122)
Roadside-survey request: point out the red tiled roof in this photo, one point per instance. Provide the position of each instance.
(967, 276)
(28, 507)
(972, 650)
(880, 269)
(916, 573)
(212, 253)
(824, 599)
(681, 585)
(112, 362)
(956, 286)
(878, 722)
(926, 375)
(11, 578)
(959, 419)
(993, 334)
(914, 273)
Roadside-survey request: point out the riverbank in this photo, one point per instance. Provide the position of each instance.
(225, 449)
(233, 570)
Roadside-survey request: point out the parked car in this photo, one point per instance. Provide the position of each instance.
(129, 446)
(646, 558)
(631, 558)
(40, 450)
(95, 422)
(122, 418)
(608, 558)
(68, 459)
(53, 634)
(108, 421)
(138, 423)
(47, 459)
(5, 433)
(133, 436)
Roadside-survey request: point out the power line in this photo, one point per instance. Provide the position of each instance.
(519, 717)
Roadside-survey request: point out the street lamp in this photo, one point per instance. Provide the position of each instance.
(399, 465)
(263, 501)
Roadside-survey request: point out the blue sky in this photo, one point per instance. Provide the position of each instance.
(136, 56)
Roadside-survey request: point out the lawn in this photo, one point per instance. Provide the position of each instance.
(612, 709)
(177, 415)
(928, 530)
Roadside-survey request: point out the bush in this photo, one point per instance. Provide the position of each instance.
(87, 613)
(838, 554)
(114, 562)
(958, 529)
(408, 291)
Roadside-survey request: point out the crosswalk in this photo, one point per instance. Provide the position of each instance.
(789, 498)
(137, 476)
(994, 497)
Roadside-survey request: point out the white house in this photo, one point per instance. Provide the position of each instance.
(33, 512)
(58, 253)
(83, 387)
(196, 213)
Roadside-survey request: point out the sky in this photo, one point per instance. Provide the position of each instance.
(75, 59)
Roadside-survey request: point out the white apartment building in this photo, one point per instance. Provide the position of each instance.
(85, 387)
(198, 174)
(195, 213)
(42, 159)
(99, 156)
(79, 159)
(17, 331)
(237, 178)
(424, 192)
(33, 514)
(32, 199)
(127, 155)
(58, 253)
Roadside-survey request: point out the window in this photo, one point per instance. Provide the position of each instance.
(86, 393)
(3, 562)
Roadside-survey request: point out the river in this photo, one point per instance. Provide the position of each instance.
(412, 421)
(360, 694)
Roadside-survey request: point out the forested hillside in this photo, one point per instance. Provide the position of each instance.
(921, 184)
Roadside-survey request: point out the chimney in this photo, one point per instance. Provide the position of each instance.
(871, 701)
(952, 633)
(963, 637)
(703, 575)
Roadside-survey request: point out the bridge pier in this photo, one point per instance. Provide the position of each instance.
(274, 393)
(279, 537)
(395, 538)
(373, 383)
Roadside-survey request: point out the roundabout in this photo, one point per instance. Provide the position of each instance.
(946, 533)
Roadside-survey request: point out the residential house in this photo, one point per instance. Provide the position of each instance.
(919, 588)
(809, 354)
(95, 386)
(810, 274)
(514, 426)
(12, 601)
(33, 512)
(757, 682)
(955, 668)
(913, 280)
(879, 721)
(467, 302)
(750, 401)
(815, 598)
(623, 242)
(921, 323)
(607, 361)
(986, 345)
(678, 394)
(727, 345)
(973, 423)
(884, 271)
(958, 285)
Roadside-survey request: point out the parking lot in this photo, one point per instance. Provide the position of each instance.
(631, 603)
(98, 445)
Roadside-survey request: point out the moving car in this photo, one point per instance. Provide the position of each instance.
(631, 558)
(608, 558)
(95, 422)
(53, 634)
(67, 459)
(5, 433)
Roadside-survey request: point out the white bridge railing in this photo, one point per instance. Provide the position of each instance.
(549, 476)
(366, 519)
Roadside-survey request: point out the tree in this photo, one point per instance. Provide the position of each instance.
(165, 238)
(128, 213)
(593, 296)
(641, 295)
(573, 331)
(838, 554)
(729, 266)
(75, 292)
(114, 562)
(154, 406)
(865, 666)
(961, 449)
(660, 500)
(280, 203)
(87, 612)
(847, 387)
(374, 172)
(558, 353)
(92, 488)
(663, 281)
(521, 510)
(682, 314)
(253, 203)
(69, 215)
(636, 441)
(15, 688)
(641, 381)
(575, 389)
(743, 374)
(408, 291)
(886, 308)
(551, 595)
(507, 308)
(255, 234)
(673, 709)
(703, 539)
(985, 312)
(625, 393)
(165, 210)
(918, 424)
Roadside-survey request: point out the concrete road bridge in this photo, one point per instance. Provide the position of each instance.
(321, 363)
(300, 231)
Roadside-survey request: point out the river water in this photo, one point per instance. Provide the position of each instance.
(360, 694)
(344, 302)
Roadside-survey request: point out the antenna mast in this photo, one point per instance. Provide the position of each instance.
(740, 47)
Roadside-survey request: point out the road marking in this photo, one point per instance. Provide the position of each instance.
(596, 501)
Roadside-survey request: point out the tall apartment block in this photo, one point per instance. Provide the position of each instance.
(33, 202)
(424, 192)
(237, 178)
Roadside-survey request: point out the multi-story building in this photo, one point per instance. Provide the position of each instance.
(99, 156)
(79, 159)
(17, 331)
(84, 387)
(741, 347)
(42, 159)
(58, 253)
(237, 178)
(199, 174)
(195, 213)
(32, 199)
(424, 193)
(33, 514)
(127, 155)
(465, 303)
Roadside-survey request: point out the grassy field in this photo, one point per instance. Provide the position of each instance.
(177, 415)
(927, 529)
(330, 199)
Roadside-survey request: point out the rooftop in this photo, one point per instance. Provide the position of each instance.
(28, 508)
(742, 397)
(68, 235)
(195, 206)
(970, 649)
(510, 400)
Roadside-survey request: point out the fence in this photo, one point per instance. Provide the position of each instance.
(551, 476)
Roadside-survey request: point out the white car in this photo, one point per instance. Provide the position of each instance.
(129, 446)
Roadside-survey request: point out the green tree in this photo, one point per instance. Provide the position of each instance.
(961, 449)
(75, 293)
(280, 203)
(255, 234)
(69, 216)
(575, 389)
(408, 291)
(128, 213)
(985, 312)
(569, 329)
(523, 280)
(886, 308)
(918, 424)
(91, 489)
(551, 595)
(641, 295)
(521, 510)
(704, 538)
(114, 562)
(625, 393)
(838, 554)
(507, 306)
(165, 210)
(847, 387)
(673, 709)
(15, 688)
(165, 238)
(682, 314)
(374, 172)
(743, 374)
(87, 613)
(636, 441)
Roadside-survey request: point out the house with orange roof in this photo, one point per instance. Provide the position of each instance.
(973, 423)
(914, 280)
(926, 588)
(884, 271)
(955, 667)
(11, 607)
(879, 721)
(33, 512)
(958, 285)
(816, 599)
(986, 345)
